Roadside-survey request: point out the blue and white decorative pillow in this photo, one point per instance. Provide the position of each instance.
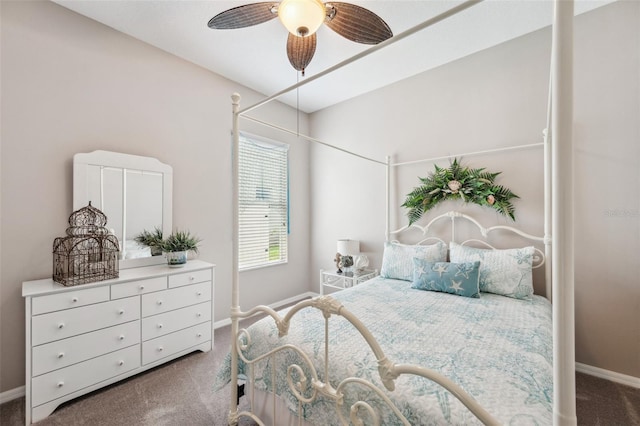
(462, 279)
(505, 272)
(397, 260)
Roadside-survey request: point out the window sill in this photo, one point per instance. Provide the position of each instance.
(253, 268)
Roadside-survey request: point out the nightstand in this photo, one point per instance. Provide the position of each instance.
(332, 279)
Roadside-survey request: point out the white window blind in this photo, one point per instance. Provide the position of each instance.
(263, 202)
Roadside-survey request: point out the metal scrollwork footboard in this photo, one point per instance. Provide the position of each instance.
(306, 384)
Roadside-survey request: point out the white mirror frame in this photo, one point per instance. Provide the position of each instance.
(81, 164)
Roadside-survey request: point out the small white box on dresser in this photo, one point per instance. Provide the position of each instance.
(81, 338)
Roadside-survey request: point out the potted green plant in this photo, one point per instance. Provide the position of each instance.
(177, 245)
(152, 239)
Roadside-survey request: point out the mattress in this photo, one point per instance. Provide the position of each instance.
(498, 349)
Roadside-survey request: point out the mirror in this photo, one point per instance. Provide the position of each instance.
(135, 194)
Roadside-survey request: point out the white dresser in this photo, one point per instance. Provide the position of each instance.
(81, 338)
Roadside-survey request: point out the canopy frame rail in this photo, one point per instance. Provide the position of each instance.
(396, 38)
(470, 154)
(311, 139)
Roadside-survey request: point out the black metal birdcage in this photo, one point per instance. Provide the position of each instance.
(88, 253)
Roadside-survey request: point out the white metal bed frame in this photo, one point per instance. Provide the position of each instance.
(388, 370)
(558, 174)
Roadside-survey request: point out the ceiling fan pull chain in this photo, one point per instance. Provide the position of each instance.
(298, 104)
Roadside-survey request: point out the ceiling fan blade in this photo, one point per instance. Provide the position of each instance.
(300, 51)
(357, 23)
(243, 16)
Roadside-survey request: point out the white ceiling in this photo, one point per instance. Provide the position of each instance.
(256, 56)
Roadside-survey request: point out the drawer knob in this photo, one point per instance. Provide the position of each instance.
(121, 311)
(199, 293)
(61, 355)
(121, 337)
(121, 362)
(61, 325)
(160, 349)
(198, 314)
(75, 299)
(141, 287)
(60, 384)
(191, 278)
(199, 335)
(160, 325)
(159, 302)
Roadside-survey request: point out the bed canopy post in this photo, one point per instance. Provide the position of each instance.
(235, 295)
(387, 231)
(548, 278)
(562, 211)
(547, 157)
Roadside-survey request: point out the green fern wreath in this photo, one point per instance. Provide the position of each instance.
(459, 183)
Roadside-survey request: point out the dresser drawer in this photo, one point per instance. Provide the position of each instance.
(69, 299)
(118, 291)
(67, 380)
(71, 322)
(168, 300)
(153, 350)
(190, 278)
(65, 352)
(159, 325)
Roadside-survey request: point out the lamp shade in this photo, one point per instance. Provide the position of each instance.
(301, 17)
(348, 247)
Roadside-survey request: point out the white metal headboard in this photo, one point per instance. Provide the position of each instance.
(539, 259)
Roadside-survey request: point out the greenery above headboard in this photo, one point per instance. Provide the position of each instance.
(459, 183)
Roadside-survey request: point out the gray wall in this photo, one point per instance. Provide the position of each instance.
(497, 98)
(72, 85)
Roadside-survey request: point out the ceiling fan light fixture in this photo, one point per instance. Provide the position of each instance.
(302, 17)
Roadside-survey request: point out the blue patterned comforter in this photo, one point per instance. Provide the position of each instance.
(496, 348)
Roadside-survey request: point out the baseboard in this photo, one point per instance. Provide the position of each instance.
(608, 375)
(12, 394)
(276, 305)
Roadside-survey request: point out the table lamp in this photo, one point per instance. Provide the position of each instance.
(345, 250)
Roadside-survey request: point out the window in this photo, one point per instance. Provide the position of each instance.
(263, 202)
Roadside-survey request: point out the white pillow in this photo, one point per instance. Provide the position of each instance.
(505, 272)
(397, 260)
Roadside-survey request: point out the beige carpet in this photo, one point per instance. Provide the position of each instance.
(603, 403)
(177, 393)
(180, 393)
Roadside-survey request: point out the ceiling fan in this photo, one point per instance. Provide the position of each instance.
(302, 18)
